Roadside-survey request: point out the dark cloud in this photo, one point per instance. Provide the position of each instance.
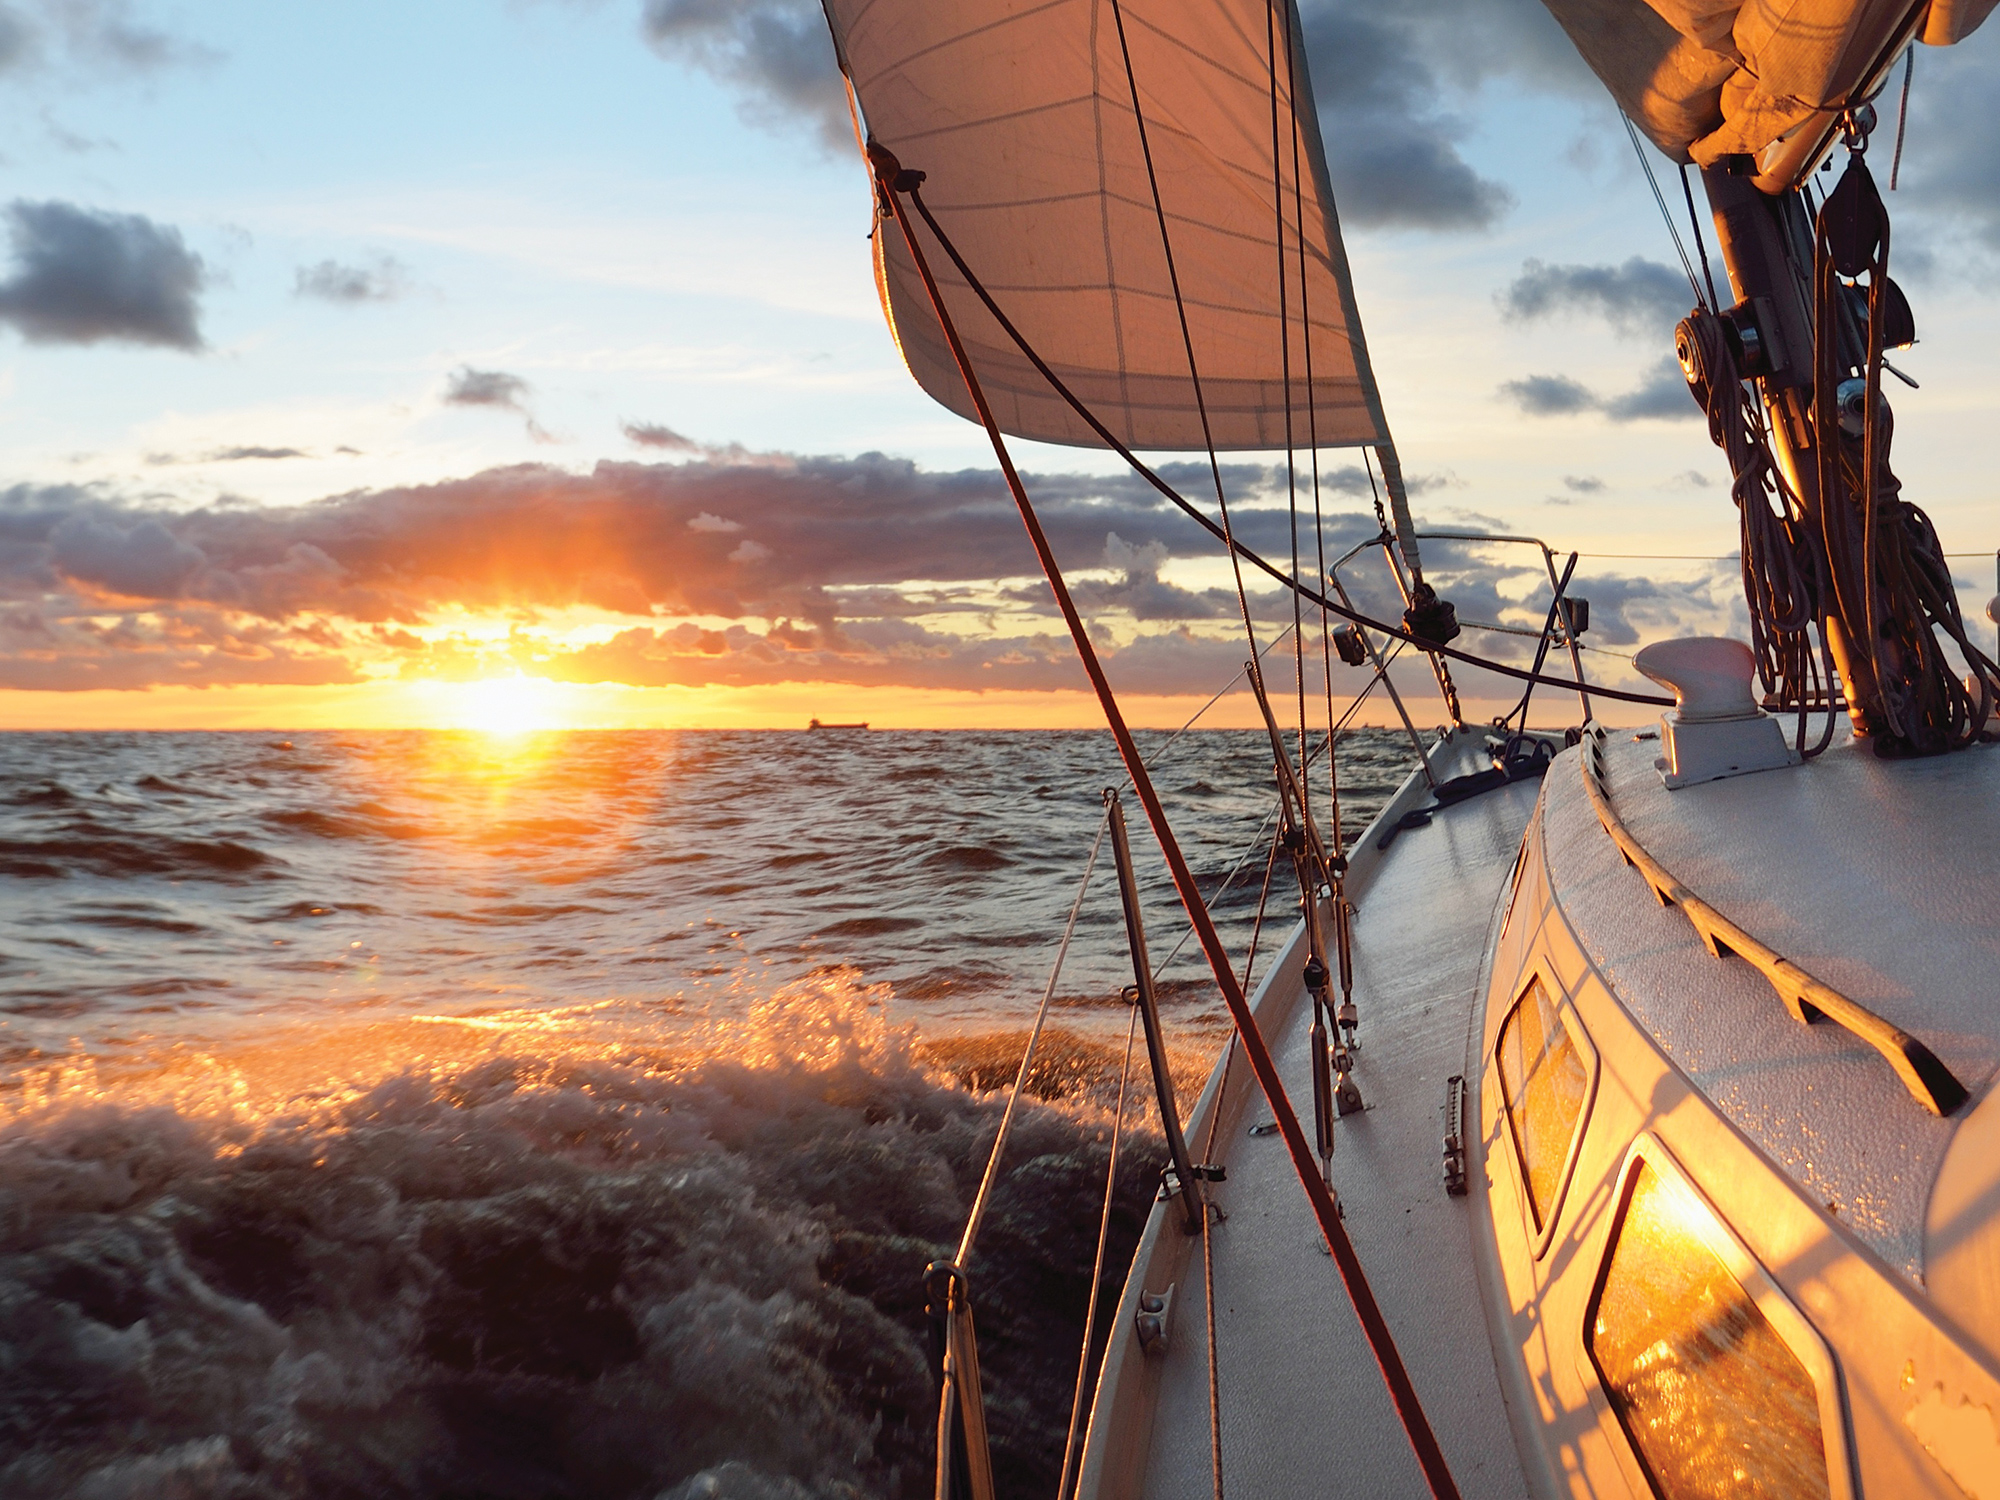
(469, 387)
(81, 277)
(655, 435)
(1391, 142)
(1583, 484)
(1950, 169)
(466, 386)
(91, 36)
(1641, 299)
(17, 40)
(732, 571)
(776, 53)
(334, 281)
(1663, 396)
(1382, 76)
(234, 455)
(826, 544)
(1549, 395)
(107, 32)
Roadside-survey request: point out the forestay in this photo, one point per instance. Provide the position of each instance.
(1020, 115)
(1764, 78)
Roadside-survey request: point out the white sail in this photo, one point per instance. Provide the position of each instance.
(1707, 79)
(1020, 114)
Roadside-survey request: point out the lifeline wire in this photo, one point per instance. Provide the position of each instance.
(1097, 1265)
(964, 1257)
(892, 180)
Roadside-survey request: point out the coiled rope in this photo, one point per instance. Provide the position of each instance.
(1780, 564)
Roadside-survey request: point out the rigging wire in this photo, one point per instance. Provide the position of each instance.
(1660, 198)
(1155, 757)
(1700, 245)
(1285, 369)
(1097, 1266)
(1194, 513)
(1312, 434)
(1187, 342)
(1902, 115)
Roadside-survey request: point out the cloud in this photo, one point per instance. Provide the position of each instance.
(235, 455)
(1583, 484)
(773, 567)
(1663, 396)
(654, 435)
(1949, 167)
(1392, 140)
(1392, 147)
(469, 387)
(775, 53)
(334, 281)
(826, 545)
(91, 35)
(1549, 395)
(1640, 299)
(466, 386)
(81, 277)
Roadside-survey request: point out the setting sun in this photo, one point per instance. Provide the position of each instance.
(508, 705)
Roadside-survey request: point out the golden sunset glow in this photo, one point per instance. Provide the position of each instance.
(398, 703)
(519, 704)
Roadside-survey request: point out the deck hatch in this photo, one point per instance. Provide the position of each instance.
(1714, 1397)
(1544, 1083)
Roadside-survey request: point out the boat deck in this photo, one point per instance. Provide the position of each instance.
(1302, 1403)
(1881, 878)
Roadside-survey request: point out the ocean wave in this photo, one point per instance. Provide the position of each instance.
(587, 1252)
(106, 853)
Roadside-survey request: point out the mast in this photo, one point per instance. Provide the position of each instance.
(1847, 584)
(1829, 544)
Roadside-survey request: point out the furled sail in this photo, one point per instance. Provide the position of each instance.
(1020, 114)
(1762, 78)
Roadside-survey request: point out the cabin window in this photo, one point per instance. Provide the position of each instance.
(1715, 1401)
(1543, 1079)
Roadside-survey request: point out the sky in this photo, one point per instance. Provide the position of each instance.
(518, 362)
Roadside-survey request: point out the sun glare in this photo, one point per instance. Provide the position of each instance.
(510, 705)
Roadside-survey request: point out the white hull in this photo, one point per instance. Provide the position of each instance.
(1862, 1228)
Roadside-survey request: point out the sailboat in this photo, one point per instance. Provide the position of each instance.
(1618, 1117)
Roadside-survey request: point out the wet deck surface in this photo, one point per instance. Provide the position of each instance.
(1303, 1407)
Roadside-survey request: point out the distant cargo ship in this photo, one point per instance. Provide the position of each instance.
(815, 724)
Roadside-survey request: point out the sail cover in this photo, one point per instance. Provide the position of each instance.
(1020, 114)
(1707, 79)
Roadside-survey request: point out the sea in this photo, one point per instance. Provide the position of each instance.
(573, 1114)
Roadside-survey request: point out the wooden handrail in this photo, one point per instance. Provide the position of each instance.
(1929, 1081)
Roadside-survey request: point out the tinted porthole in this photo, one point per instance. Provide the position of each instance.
(1714, 1400)
(1543, 1079)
